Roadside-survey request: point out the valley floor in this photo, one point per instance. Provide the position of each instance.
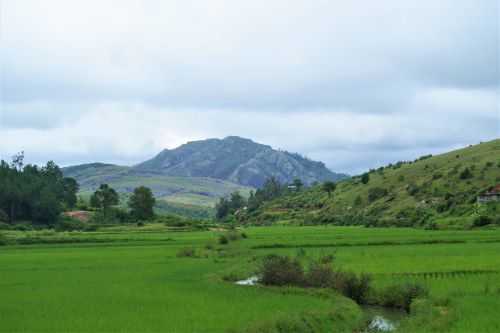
(133, 279)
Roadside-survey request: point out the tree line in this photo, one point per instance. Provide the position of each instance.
(38, 195)
(33, 193)
(271, 190)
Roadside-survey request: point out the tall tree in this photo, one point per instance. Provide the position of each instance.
(298, 184)
(104, 198)
(329, 187)
(365, 178)
(141, 203)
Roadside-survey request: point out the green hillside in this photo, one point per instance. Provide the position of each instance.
(432, 192)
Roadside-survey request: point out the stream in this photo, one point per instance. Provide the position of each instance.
(380, 319)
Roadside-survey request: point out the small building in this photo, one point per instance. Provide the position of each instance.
(491, 195)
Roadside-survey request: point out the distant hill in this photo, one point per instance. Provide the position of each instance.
(237, 160)
(180, 192)
(431, 192)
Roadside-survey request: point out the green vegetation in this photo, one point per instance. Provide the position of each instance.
(184, 195)
(183, 281)
(433, 192)
(34, 194)
(141, 204)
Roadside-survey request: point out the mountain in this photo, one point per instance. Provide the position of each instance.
(237, 160)
(431, 192)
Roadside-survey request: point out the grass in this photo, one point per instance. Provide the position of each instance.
(131, 279)
(427, 192)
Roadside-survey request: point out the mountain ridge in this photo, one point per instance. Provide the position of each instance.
(238, 160)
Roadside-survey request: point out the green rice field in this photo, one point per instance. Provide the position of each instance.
(133, 279)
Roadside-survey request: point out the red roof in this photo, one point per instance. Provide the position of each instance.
(495, 190)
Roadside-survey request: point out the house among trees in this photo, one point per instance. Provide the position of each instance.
(492, 195)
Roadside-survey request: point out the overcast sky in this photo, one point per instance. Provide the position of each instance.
(356, 84)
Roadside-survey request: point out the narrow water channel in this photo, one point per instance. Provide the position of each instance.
(381, 319)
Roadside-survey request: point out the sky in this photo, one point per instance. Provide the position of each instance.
(355, 84)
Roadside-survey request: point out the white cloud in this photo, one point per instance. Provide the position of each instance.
(353, 83)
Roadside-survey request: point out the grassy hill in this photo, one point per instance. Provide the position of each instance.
(432, 192)
(186, 196)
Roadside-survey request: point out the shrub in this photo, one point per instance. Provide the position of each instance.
(413, 189)
(3, 216)
(232, 236)
(481, 220)
(365, 178)
(466, 174)
(223, 239)
(22, 227)
(280, 271)
(353, 286)
(244, 235)
(320, 276)
(91, 227)
(187, 252)
(402, 295)
(66, 223)
(4, 226)
(376, 193)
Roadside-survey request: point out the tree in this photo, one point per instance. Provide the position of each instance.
(466, 174)
(141, 203)
(236, 201)
(365, 178)
(34, 193)
(329, 187)
(298, 184)
(222, 208)
(104, 197)
(70, 187)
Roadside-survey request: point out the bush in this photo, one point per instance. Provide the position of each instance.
(280, 271)
(376, 193)
(91, 227)
(481, 220)
(244, 235)
(232, 236)
(66, 223)
(187, 252)
(22, 227)
(4, 226)
(466, 174)
(223, 239)
(320, 276)
(354, 287)
(402, 295)
(3, 216)
(365, 178)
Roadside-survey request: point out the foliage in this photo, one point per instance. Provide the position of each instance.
(365, 178)
(272, 189)
(376, 193)
(104, 198)
(422, 193)
(34, 193)
(329, 187)
(141, 203)
(401, 295)
(281, 271)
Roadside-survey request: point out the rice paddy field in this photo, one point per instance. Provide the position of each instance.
(138, 279)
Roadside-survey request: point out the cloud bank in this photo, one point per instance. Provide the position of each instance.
(354, 84)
